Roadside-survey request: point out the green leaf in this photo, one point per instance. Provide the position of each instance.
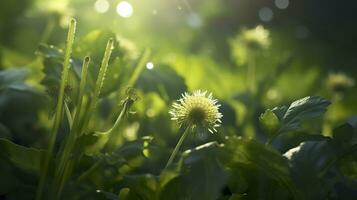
(14, 79)
(263, 169)
(300, 110)
(49, 51)
(53, 63)
(344, 137)
(269, 121)
(311, 163)
(202, 176)
(28, 159)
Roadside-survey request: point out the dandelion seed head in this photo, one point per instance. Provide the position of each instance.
(199, 110)
(339, 82)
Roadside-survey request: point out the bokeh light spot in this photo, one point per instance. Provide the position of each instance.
(124, 9)
(101, 6)
(194, 20)
(150, 65)
(282, 4)
(266, 14)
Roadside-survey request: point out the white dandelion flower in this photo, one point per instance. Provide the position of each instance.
(197, 110)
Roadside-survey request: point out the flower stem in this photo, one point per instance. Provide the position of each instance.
(114, 129)
(59, 108)
(139, 67)
(178, 145)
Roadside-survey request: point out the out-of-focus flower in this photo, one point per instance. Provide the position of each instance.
(197, 110)
(339, 82)
(248, 41)
(256, 37)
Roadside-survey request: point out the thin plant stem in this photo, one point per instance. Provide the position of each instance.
(48, 29)
(139, 67)
(99, 83)
(68, 114)
(83, 81)
(177, 147)
(79, 128)
(59, 108)
(60, 178)
(111, 132)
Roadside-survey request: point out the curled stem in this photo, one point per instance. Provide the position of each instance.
(114, 129)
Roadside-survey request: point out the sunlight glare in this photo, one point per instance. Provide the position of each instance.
(125, 9)
(149, 65)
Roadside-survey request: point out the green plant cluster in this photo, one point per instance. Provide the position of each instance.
(109, 134)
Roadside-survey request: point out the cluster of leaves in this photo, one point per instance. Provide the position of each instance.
(292, 163)
(233, 168)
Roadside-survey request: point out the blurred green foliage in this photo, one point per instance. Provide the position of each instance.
(273, 143)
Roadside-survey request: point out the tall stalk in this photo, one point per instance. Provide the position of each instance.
(177, 147)
(65, 156)
(65, 169)
(99, 83)
(59, 109)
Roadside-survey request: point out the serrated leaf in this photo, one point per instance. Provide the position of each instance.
(300, 110)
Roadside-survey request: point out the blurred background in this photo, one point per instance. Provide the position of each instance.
(251, 54)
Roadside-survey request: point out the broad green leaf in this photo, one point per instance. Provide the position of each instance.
(255, 163)
(311, 163)
(28, 159)
(300, 110)
(269, 121)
